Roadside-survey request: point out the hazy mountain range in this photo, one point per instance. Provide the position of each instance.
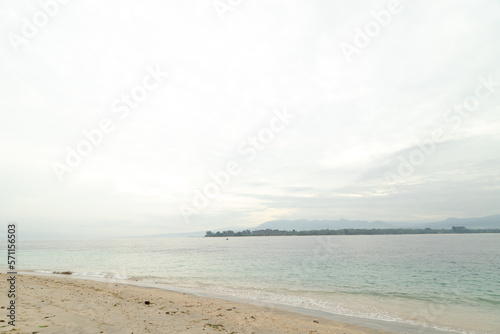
(304, 224)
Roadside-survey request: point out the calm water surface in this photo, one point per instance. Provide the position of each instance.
(449, 282)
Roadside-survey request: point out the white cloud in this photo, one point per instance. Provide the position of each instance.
(225, 77)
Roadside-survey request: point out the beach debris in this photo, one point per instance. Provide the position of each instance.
(43, 326)
(49, 316)
(147, 302)
(215, 326)
(316, 321)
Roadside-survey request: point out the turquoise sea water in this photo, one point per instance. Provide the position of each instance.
(450, 282)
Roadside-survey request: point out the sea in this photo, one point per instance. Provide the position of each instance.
(399, 283)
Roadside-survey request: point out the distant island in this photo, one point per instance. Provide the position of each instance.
(350, 231)
(486, 224)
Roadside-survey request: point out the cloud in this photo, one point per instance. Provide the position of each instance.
(352, 121)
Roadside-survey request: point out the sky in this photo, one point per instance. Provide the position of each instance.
(125, 118)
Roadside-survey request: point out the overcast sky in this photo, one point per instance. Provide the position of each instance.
(299, 109)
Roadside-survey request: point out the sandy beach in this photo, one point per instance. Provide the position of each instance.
(64, 304)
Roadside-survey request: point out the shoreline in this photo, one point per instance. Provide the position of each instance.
(71, 305)
(75, 313)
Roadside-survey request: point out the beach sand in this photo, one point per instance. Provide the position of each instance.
(65, 304)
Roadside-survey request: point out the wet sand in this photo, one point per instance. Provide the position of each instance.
(65, 304)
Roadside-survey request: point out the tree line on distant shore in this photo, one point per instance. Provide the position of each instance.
(350, 231)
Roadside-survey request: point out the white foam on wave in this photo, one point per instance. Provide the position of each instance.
(268, 298)
(98, 274)
(43, 271)
(285, 298)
